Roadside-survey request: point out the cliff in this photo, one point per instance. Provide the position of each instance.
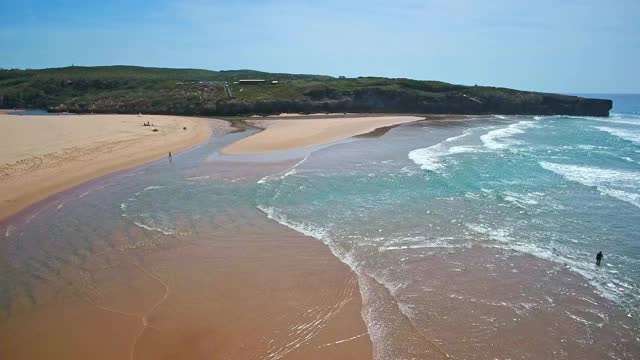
(126, 89)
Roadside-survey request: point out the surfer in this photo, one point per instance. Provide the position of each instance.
(170, 157)
(599, 257)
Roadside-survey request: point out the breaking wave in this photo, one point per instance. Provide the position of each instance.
(625, 134)
(626, 119)
(620, 184)
(430, 158)
(500, 139)
(290, 171)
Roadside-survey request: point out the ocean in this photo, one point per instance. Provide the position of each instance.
(554, 188)
(467, 236)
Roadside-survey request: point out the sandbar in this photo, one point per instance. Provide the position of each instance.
(283, 135)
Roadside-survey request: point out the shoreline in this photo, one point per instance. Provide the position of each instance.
(26, 194)
(76, 149)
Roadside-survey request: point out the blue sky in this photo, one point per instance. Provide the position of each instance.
(560, 45)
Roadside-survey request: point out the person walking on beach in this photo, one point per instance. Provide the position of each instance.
(170, 158)
(599, 257)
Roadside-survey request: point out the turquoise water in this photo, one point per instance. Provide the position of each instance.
(463, 233)
(557, 188)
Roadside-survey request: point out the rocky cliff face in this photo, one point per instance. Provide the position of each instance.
(389, 101)
(366, 100)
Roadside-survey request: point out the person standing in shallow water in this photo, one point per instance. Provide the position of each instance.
(599, 257)
(170, 157)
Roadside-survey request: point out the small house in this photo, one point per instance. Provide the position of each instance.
(252, 81)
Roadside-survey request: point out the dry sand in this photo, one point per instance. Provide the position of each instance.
(281, 135)
(43, 155)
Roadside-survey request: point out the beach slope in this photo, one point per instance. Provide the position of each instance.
(43, 155)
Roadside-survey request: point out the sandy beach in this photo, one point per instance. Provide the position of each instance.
(237, 285)
(282, 135)
(43, 155)
(259, 291)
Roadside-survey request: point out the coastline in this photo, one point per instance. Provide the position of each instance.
(30, 172)
(224, 279)
(73, 149)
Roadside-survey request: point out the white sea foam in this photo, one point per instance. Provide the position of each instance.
(629, 197)
(159, 222)
(162, 230)
(589, 147)
(312, 231)
(430, 158)
(308, 230)
(558, 254)
(198, 177)
(443, 242)
(410, 170)
(502, 235)
(625, 134)
(290, 171)
(264, 179)
(343, 340)
(522, 200)
(620, 184)
(8, 230)
(500, 139)
(616, 119)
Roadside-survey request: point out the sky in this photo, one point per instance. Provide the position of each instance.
(568, 46)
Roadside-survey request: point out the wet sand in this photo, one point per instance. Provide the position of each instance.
(282, 135)
(242, 290)
(235, 285)
(484, 303)
(43, 155)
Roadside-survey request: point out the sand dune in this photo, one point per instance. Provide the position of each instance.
(43, 155)
(281, 135)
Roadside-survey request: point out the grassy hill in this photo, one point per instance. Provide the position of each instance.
(130, 89)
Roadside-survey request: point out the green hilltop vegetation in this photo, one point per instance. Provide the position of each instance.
(130, 89)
